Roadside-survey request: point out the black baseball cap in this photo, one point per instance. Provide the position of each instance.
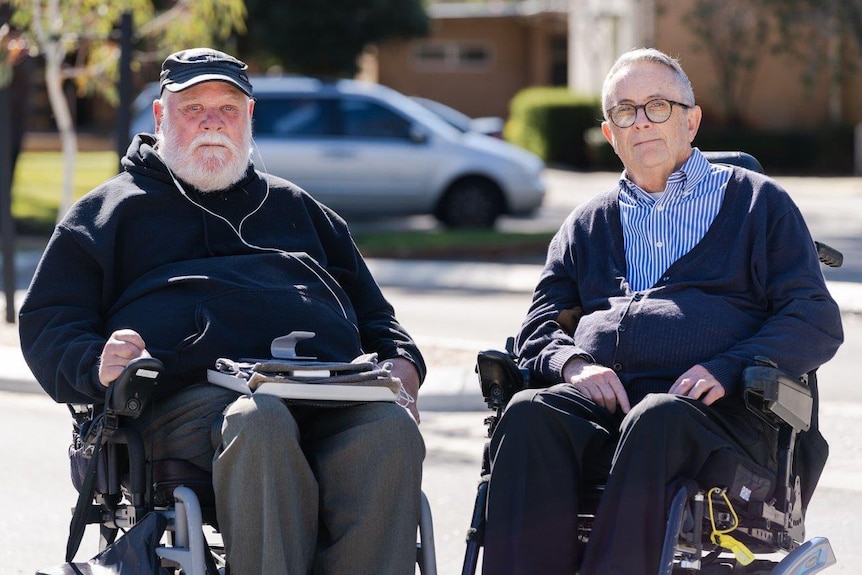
(186, 68)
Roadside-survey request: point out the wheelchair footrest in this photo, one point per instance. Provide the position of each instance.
(811, 557)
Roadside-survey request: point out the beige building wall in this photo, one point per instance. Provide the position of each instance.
(485, 90)
(776, 98)
(520, 56)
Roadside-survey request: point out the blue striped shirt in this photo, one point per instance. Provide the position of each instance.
(659, 229)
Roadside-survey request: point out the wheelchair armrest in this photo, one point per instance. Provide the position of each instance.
(130, 394)
(829, 255)
(769, 390)
(499, 377)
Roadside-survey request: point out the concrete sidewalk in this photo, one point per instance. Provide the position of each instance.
(445, 389)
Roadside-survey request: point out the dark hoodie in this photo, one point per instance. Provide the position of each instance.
(136, 253)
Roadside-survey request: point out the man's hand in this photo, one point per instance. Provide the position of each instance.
(598, 383)
(123, 346)
(404, 370)
(698, 383)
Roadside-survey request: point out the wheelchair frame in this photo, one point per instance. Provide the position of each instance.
(184, 546)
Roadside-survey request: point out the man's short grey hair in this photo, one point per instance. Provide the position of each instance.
(647, 55)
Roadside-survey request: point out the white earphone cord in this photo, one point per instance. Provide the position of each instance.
(238, 230)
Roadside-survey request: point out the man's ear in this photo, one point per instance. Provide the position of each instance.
(694, 116)
(250, 107)
(606, 131)
(158, 114)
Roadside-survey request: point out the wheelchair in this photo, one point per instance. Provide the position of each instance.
(130, 488)
(766, 522)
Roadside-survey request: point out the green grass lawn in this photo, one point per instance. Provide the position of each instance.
(38, 182)
(452, 244)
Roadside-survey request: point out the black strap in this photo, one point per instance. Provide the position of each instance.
(208, 558)
(85, 499)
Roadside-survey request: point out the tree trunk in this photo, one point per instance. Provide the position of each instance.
(63, 119)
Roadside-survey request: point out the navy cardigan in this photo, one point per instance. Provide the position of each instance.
(751, 287)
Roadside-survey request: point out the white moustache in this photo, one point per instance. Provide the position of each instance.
(212, 139)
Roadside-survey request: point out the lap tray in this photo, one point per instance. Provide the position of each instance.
(363, 379)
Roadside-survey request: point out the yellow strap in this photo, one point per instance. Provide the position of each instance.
(720, 537)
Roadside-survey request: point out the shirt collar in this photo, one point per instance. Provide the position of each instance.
(683, 180)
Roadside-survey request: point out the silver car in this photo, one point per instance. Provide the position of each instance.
(366, 150)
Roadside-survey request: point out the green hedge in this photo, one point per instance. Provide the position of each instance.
(550, 122)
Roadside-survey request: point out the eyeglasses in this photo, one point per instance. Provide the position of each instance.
(657, 111)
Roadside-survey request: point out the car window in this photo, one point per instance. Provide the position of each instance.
(452, 116)
(366, 119)
(296, 117)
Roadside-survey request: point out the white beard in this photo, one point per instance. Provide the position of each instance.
(208, 169)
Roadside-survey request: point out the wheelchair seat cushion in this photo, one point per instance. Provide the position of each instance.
(743, 479)
(168, 474)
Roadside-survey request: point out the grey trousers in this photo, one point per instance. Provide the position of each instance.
(301, 489)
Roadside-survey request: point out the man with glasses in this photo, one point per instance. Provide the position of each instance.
(654, 298)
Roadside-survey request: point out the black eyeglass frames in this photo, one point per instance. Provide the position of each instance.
(657, 111)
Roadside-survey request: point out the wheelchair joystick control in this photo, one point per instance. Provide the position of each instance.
(499, 377)
(129, 395)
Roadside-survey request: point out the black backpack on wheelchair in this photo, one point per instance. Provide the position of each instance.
(764, 512)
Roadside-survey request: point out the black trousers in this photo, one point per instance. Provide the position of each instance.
(552, 443)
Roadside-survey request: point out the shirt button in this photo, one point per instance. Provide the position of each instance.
(638, 296)
(622, 327)
(659, 208)
(618, 366)
(665, 279)
(659, 244)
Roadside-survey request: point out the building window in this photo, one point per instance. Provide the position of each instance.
(452, 55)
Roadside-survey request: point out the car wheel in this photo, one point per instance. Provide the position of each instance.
(471, 203)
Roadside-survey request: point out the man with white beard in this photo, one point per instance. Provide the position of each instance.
(190, 255)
